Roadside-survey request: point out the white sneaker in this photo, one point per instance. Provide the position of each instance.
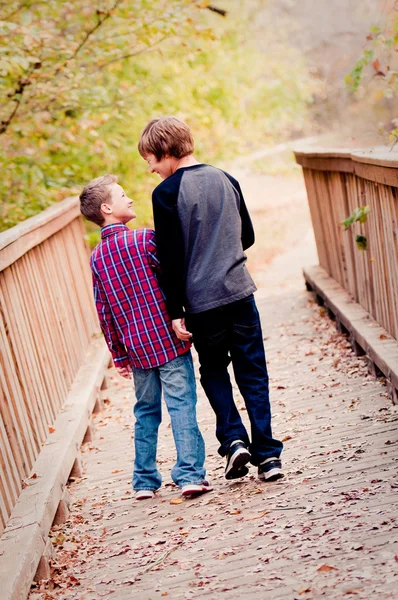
(270, 469)
(144, 494)
(194, 489)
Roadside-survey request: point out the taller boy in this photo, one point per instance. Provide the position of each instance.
(202, 229)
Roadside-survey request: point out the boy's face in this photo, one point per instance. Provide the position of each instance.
(120, 209)
(164, 167)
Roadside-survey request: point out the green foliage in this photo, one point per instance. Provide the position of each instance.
(354, 78)
(377, 71)
(79, 81)
(362, 242)
(359, 215)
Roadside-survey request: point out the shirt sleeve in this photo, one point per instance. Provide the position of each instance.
(247, 235)
(151, 251)
(170, 250)
(107, 324)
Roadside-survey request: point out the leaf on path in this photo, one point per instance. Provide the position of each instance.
(326, 568)
(59, 539)
(176, 501)
(304, 591)
(286, 438)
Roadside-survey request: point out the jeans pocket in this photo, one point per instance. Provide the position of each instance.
(176, 363)
(215, 338)
(246, 330)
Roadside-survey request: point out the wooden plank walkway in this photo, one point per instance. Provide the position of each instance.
(328, 530)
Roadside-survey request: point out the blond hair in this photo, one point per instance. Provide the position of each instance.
(95, 194)
(166, 136)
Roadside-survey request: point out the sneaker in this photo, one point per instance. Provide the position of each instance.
(144, 494)
(194, 489)
(237, 458)
(270, 469)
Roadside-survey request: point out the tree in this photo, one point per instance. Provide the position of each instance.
(377, 72)
(79, 81)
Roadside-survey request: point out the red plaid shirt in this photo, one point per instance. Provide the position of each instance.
(130, 304)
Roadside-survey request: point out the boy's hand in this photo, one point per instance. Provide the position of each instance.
(180, 329)
(126, 372)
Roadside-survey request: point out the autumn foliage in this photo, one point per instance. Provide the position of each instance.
(79, 80)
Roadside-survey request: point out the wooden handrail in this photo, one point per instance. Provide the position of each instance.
(359, 162)
(47, 323)
(338, 181)
(18, 240)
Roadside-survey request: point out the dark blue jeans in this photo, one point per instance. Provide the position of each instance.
(233, 333)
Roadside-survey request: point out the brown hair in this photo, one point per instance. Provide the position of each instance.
(166, 136)
(95, 193)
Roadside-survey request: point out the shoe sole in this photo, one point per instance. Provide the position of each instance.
(145, 497)
(196, 490)
(272, 475)
(237, 474)
(238, 461)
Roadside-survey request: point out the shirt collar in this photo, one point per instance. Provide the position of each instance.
(112, 229)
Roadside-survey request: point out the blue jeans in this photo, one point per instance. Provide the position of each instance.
(177, 380)
(233, 333)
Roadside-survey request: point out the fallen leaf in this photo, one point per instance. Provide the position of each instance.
(117, 471)
(51, 429)
(326, 568)
(304, 591)
(58, 539)
(382, 336)
(176, 501)
(286, 438)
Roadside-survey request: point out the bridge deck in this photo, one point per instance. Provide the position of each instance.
(329, 529)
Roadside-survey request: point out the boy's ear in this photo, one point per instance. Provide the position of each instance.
(106, 208)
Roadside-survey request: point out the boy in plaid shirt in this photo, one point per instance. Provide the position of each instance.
(138, 331)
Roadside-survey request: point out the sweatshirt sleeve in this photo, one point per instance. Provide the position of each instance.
(247, 235)
(170, 249)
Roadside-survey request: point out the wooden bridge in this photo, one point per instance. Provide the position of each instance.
(329, 529)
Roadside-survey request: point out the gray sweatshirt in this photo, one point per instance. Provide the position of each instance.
(202, 229)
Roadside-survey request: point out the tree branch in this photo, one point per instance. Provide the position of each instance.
(22, 84)
(22, 5)
(219, 11)
(125, 56)
(94, 29)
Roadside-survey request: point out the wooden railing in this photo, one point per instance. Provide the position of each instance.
(47, 321)
(337, 183)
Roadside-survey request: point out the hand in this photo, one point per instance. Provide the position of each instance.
(126, 372)
(180, 329)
